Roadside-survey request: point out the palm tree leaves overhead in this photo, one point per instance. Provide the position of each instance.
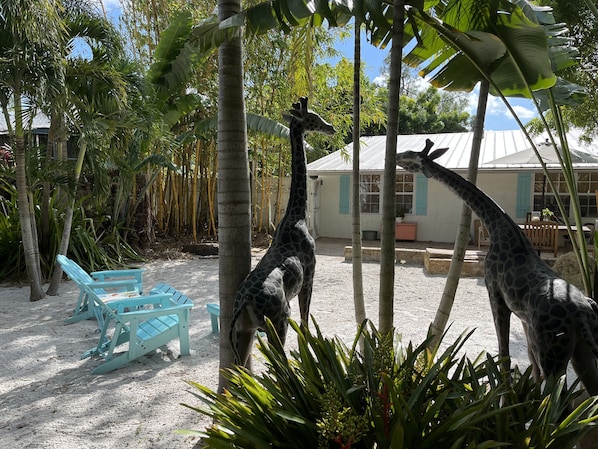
(498, 39)
(255, 122)
(167, 73)
(517, 45)
(455, 40)
(95, 31)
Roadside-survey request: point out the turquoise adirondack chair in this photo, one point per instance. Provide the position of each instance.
(153, 321)
(115, 283)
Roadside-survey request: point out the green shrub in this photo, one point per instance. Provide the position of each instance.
(11, 250)
(95, 243)
(329, 396)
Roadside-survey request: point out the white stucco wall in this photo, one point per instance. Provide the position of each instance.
(440, 223)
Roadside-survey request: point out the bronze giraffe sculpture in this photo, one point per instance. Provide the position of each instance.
(560, 322)
(287, 269)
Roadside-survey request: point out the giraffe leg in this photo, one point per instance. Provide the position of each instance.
(502, 323)
(243, 336)
(552, 347)
(536, 373)
(584, 364)
(243, 345)
(309, 268)
(281, 325)
(280, 334)
(304, 303)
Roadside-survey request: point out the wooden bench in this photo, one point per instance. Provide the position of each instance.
(107, 283)
(544, 235)
(153, 321)
(437, 261)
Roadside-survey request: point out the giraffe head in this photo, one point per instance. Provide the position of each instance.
(415, 162)
(308, 120)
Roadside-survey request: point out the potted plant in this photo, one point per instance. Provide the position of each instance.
(547, 214)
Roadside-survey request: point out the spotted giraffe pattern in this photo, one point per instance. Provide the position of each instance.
(287, 269)
(560, 322)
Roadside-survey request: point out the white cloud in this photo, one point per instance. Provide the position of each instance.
(523, 112)
(381, 80)
(498, 115)
(421, 84)
(496, 107)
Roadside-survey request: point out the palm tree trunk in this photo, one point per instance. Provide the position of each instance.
(30, 245)
(387, 242)
(234, 195)
(44, 241)
(68, 223)
(358, 299)
(452, 281)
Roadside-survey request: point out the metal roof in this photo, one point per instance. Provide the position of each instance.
(496, 145)
(40, 122)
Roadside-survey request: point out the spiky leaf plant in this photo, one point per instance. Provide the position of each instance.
(326, 395)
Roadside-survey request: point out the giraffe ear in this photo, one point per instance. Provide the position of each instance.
(303, 101)
(437, 153)
(428, 147)
(287, 117)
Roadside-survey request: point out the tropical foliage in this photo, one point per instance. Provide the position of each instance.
(327, 395)
(149, 134)
(582, 24)
(94, 242)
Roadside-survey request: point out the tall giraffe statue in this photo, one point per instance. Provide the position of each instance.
(287, 269)
(559, 321)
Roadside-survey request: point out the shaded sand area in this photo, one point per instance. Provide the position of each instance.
(50, 400)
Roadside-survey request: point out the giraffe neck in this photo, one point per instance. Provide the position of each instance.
(494, 217)
(297, 206)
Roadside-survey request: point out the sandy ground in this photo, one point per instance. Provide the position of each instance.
(49, 399)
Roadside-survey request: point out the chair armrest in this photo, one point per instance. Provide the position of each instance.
(143, 315)
(163, 300)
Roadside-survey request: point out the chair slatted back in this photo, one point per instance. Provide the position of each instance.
(544, 235)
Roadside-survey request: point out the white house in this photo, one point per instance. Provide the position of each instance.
(508, 172)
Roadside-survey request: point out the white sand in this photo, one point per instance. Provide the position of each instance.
(49, 399)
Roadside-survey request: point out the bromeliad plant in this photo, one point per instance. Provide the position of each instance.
(326, 395)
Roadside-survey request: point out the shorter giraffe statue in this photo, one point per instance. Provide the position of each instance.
(560, 322)
(287, 269)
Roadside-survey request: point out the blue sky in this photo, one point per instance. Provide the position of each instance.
(497, 115)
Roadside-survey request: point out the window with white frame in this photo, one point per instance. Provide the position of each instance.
(587, 189)
(587, 186)
(370, 187)
(369, 193)
(404, 193)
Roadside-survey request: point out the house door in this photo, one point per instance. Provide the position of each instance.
(313, 211)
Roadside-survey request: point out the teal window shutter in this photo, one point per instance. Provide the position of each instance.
(421, 194)
(345, 194)
(524, 186)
